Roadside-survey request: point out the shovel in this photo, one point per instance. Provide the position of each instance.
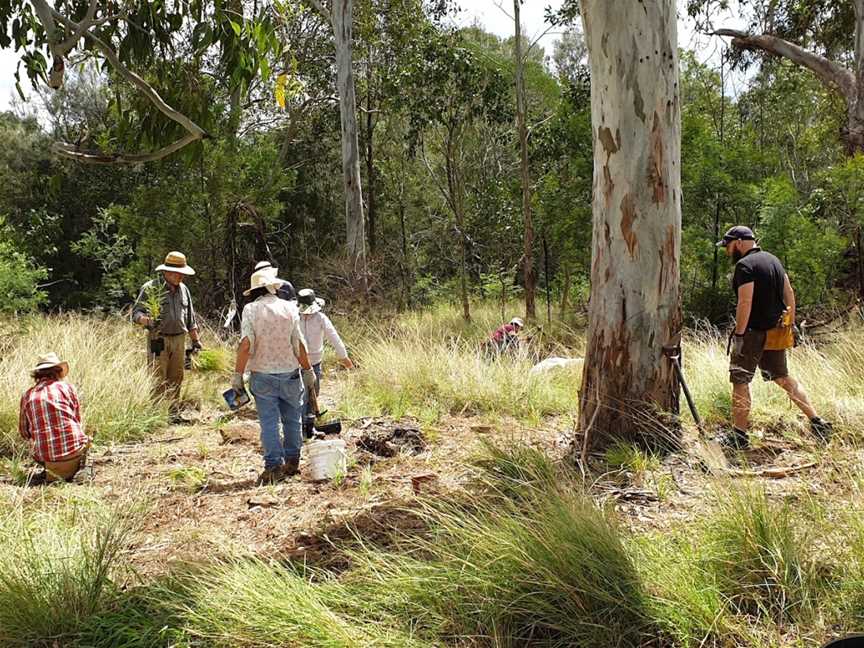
(310, 428)
(710, 452)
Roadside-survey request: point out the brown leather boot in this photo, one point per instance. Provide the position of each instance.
(291, 467)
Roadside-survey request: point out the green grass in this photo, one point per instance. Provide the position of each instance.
(217, 360)
(529, 554)
(58, 569)
(261, 604)
(763, 557)
(419, 365)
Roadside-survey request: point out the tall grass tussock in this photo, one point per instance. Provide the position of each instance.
(107, 364)
(59, 568)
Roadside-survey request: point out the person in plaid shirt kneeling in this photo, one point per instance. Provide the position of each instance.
(50, 420)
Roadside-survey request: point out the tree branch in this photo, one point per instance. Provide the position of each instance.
(43, 11)
(137, 81)
(828, 72)
(98, 157)
(321, 9)
(64, 47)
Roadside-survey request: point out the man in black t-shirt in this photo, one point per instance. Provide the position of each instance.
(764, 294)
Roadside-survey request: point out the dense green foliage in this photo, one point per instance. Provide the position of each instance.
(439, 165)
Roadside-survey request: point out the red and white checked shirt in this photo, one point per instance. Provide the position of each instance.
(50, 419)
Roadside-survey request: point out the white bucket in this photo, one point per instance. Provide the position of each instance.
(326, 458)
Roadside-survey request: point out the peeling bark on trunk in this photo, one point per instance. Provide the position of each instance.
(634, 310)
(529, 276)
(355, 226)
(854, 135)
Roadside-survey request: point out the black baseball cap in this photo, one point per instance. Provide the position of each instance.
(737, 233)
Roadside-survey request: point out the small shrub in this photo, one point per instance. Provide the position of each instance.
(188, 479)
(212, 360)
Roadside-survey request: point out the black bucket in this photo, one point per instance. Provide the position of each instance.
(852, 641)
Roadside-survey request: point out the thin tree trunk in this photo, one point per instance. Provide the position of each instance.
(529, 276)
(355, 226)
(454, 187)
(860, 255)
(565, 290)
(546, 273)
(370, 159)
(634, 309)
(405, 267)
(718, 207)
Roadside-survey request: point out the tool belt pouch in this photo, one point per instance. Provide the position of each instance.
(157, 345)
(780, 337)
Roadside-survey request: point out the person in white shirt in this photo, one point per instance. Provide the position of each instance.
(273, 348)
(316, 328)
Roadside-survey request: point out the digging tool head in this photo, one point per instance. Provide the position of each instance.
(333, 427)
(711, 456)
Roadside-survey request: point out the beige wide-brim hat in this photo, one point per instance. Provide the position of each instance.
(266, 265)
(176, 262)
(50, 360)
(264, 278)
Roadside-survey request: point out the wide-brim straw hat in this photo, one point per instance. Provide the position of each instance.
(266, 265)
(176, 262)
(49, 360)
(308, 303)
(264, 278)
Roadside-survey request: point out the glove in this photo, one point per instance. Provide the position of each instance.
(196, 346)
(237, 382)
(737, 344)
(308, 376)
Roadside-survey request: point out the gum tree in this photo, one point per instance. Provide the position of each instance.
(634, 310)
(128, 39)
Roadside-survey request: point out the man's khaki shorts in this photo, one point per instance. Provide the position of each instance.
(742, 366)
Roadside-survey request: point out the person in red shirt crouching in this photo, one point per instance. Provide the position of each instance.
(50, 419)
(504, 339)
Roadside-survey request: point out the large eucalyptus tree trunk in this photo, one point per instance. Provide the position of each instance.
(634, 311)
(355, 226)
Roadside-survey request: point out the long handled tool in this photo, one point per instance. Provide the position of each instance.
(709, 451)
(309, 426)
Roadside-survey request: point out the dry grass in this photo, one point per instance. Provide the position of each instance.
(107, 365)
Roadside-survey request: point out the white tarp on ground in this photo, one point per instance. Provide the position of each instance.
(553, 364)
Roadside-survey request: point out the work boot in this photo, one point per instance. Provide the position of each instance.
(734, 440)
(821, 429)
(270, 476)
(291, 467)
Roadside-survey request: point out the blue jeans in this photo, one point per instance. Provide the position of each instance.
(308, 405)
(278, 397)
